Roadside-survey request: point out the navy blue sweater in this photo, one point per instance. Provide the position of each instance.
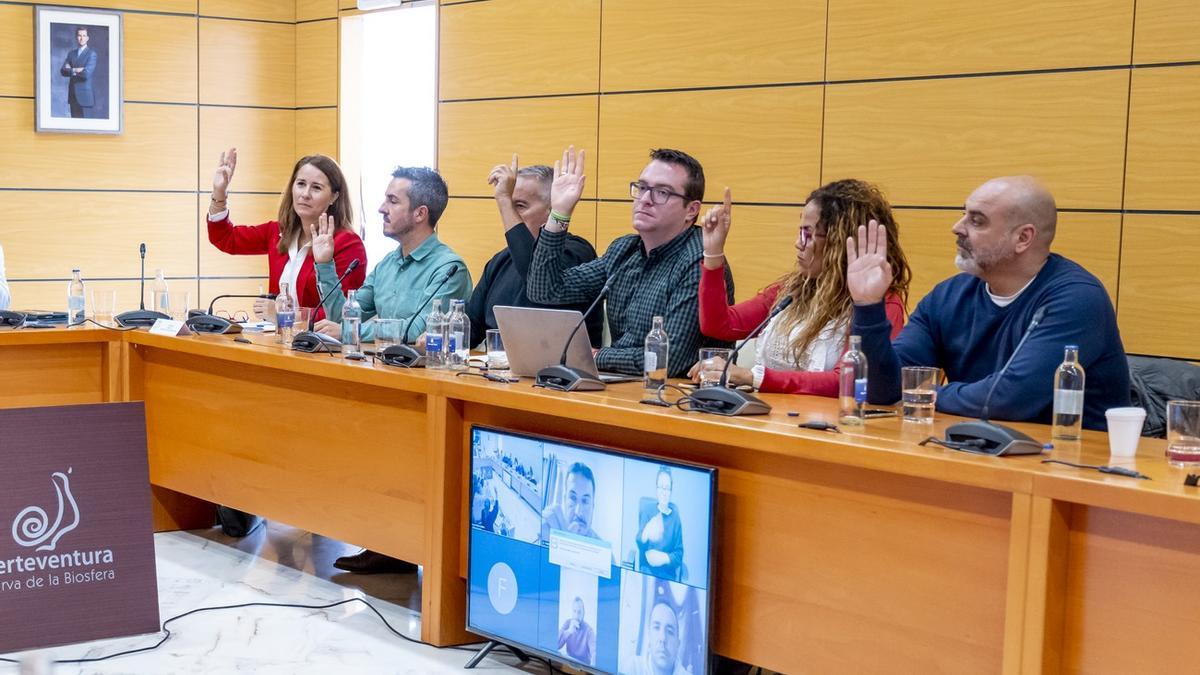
(958, 328)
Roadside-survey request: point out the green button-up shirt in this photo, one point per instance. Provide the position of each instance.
(400, 286)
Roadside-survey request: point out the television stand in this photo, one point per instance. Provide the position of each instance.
(487, 649)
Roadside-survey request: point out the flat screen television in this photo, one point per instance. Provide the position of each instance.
(592, 557)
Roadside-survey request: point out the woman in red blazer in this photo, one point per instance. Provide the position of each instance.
(799, 352)
(316, 187)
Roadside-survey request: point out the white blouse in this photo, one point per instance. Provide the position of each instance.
(822, 354)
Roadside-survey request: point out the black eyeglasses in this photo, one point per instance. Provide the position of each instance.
(658, 195)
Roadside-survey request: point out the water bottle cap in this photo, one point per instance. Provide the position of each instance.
(75, 270)
(1076, 347)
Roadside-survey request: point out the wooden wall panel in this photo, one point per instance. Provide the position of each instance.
(247, 63)
(1159, 311)
(317, 132)
(177, 6)
(16, 50)
(1166, 31)
(1163, 166)
(52, 295)
(243, 210)
(711, 43)
(165, 222)
(316, 64)
(160, 58)
(897, 38)
(473, 229)
(932, 142)
(487, 133)
(265, 140)
(763, 143)
(519, 48)
(263, 10)
(311, 10)
(157, 151)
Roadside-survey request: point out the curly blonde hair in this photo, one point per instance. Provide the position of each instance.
(816, 302)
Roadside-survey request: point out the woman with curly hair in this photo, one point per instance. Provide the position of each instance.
(800, 349)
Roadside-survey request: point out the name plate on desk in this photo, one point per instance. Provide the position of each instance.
(170, 327)
(76, 535)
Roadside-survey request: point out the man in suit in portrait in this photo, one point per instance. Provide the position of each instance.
(79, 66)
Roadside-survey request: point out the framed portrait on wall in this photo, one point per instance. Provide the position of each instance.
(78, 65)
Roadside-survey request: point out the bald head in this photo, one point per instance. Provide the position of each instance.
(1023, 200)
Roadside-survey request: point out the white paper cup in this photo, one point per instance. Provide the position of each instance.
(1124, 430)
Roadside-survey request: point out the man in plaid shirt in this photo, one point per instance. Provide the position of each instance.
(654, 272)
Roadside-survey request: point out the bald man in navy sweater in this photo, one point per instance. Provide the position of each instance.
(970, 324)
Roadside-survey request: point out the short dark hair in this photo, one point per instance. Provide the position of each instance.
(583, 470)
(693, 187)
(80, 28)
(426, 189)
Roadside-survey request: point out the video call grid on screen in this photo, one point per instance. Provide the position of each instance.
(589, 556)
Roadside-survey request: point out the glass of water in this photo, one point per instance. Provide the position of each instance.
(918, 386)
(1183, 433)
(497, 359)
(387, 333)
(712, 364)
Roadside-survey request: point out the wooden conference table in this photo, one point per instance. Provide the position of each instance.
(851, 552)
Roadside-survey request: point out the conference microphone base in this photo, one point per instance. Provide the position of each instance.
(729, 402)
(988, 438)
(209, 323)
(312, 341)
(140, 318)
(565, 378)
(402, 356)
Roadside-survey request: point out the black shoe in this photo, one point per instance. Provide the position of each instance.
(236, 523)
(370, 562)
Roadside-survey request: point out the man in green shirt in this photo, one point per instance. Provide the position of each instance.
(401, 284)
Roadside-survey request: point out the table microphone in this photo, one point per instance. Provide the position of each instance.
(721, 400)
(562, 377)
(404, 355)
(201, 322)
(141, 317)
(310, 340)
(989, 438)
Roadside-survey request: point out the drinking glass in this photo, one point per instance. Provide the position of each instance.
(497, 359)
(1183, 433)
(387, 333)
(712, 364)
(180, 303)
(918, 389)
(104, 306)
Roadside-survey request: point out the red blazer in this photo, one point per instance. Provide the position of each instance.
(723, 322)
(260, 239)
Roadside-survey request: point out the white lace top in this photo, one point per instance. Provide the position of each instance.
(822, 354)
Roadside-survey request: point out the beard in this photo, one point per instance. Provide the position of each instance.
(978, 261)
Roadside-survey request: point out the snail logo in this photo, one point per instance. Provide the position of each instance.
(32, 526)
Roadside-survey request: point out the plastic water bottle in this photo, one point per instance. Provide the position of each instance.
(285, 315)
(162, 298)
(458, 335)
(1068, 397)
(852, 385)
(76, 304)
(435, 336)
(655, 356)
(352, 327)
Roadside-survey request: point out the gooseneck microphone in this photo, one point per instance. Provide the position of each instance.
(310, 340)
(405, 355)
(989, 438)
(141, 317)
(201, 322)
(721, 400)
(562, 377)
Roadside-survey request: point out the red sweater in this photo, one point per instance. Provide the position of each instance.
(260, 239)
(723, 322)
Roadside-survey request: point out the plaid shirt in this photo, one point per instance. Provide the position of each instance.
(664, 283)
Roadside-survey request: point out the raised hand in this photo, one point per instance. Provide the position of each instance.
(322, 238)
(224, 174)
(504, 179)
(715, 225)
(868, 273)
(568, 183)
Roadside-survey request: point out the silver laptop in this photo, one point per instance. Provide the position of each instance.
(534, 338)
